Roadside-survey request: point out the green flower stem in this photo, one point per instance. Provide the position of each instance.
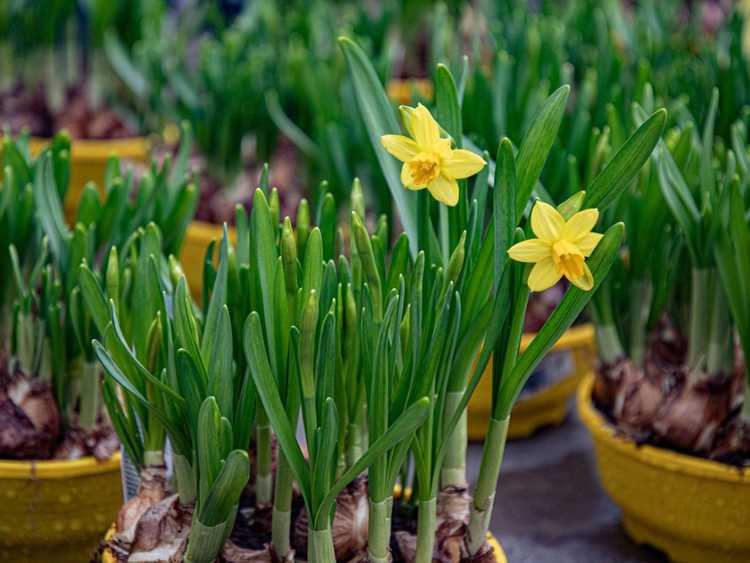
(453, 472)
(698, 336)
(353, 443)
(379, 530)
(484, 494)
(426, 530)
(640, 304)
(608, 342)
(264, 478)
(54, 85)
(281, 519)
(719, 354)
(25, 343)
(320, 546)
(45, 366)
(6, 65)
(89, 395)
(185, 478)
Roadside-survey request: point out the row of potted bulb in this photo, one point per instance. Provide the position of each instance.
(645, 517)
(548, 406)
(516, 374)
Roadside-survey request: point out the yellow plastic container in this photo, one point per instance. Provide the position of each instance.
(199, 235)
(695, 510)
(56, 510)
(401, 91)
(500, 557)
(548, 407)
(88, 162)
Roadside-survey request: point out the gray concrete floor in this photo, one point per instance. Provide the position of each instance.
(550, 507)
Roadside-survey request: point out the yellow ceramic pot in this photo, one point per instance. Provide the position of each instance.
(107, 556)
(88, 162)
(402, 91)
(576, 353)
(199, 235)
(697, 511)
(56, 510)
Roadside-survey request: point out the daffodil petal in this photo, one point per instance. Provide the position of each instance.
(588, 243)
(543, 275)
(444, 190)
(424, 128)
(546, 222)
(462, 164)
(580, 224)
(532, 250)
(403, 148)
(586, 281)
(406, 118)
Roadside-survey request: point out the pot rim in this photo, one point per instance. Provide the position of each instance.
(57, 469)
(664, 459)
(101, 149)
(575, 337)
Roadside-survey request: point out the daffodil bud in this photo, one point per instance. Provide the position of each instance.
(175, 270)
(303, 226)
(275, 206)
(358, 198)
(289, 257)
(572, 205)
(456, 262)
(113, 276)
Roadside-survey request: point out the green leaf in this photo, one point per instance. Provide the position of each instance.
(378, 116)
(225, 492)
(218, 300)
(221, 366)
(503, 206)
(207, 447)
(257, 360)
(49, 208)
(403, 428)
(623, 167)
(536, 145)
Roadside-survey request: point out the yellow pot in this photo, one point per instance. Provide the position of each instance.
(107, 556)
(88, 162)
(199, 235)
(401, 91)
(56, 510)
(696, 510)
(549, 406)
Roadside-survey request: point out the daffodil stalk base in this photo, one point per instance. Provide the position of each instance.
(426, 530)
(453, 472)
(484, 494)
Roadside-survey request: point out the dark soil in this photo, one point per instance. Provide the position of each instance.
(218, 200)
(24, 108)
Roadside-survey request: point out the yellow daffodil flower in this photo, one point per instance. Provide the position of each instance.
(429, 160)
(561, 248)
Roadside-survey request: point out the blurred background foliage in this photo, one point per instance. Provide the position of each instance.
(263, 80)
